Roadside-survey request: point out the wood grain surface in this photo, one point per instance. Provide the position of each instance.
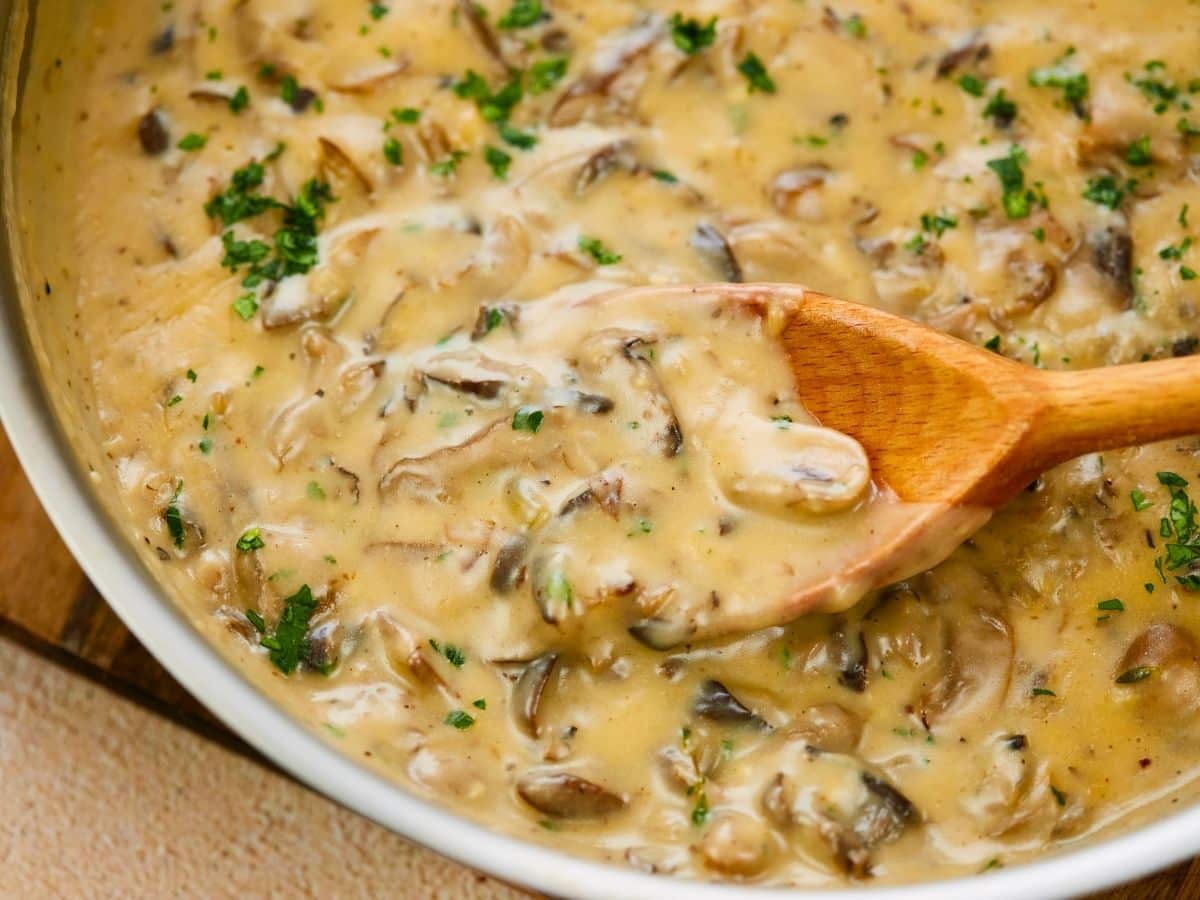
(47, 604)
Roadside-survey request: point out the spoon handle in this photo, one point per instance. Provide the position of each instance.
(1117, 406)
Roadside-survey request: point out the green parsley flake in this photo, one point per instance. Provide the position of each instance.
(498, 161)
(1138, 153)
(289, 641)
(1043, 692)
(250, 540)
(700, 811)
(239, 101)
(972, 84)
(459, 719)
(448, 166)
(1104, 191)
(528, 418)
(595, 248)
(246, 306)
(407, 116)
(756, 74)
(1111, 605)
(1009, 169)
(174, 518)
(692, 36)
(546, 73)
(1136, 674)
(1139, 500)
(522, 14)
(453, 654)
(1074, 84)
(481, 703)
(515, 137)
(314, 491)
(855, 27)
(393, 152)
(192, 141)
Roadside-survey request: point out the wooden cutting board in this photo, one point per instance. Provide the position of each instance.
(47, 604)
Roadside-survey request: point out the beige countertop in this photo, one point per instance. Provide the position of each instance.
(101, 798)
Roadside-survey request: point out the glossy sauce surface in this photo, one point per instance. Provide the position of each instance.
(334, 299)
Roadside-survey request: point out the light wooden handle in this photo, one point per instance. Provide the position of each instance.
(1118, 406)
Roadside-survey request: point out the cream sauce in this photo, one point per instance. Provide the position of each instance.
(402, 486)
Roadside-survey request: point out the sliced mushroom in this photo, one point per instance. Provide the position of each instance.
(902, 628)
(1032, 280)
(603, 489)
(786, 467)
(1112, 255)
(793, 192)
(736, 844)
(828, 727)
(595, 91)
(368, 78)
(528, 691)
(617, 156)
(472, 13)
(713, 246)
(339, 168)
(565, 796)
(1169, 657)
(323, 645)
(715, 702)
(1014, 791)
(972, 50)
(851, 808)
(153, 134)
(428, 477)
(977, 660)
(509, 569)
(470, 372)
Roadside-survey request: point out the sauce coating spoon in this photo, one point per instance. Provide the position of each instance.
(955, 429)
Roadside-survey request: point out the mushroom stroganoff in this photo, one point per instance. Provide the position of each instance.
(337, 277)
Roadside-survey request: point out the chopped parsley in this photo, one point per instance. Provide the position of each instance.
(700, 811)
(993, 343)
(1175, 251)
(938, 223)
(174, 518)
(528, 418)
(1139, 500)
(290, 641)
(240, 100)
(453, 654)
(1104, 191)
(546, 73)
(522, 14)
(445, 167)
(246, 305)
(314, 491)
(855, 26)
(595, 248)
(393, 151)
(498, 161)
(1000, 109)
(558, 589)
(407, 116)
(1138, 153)
(1009, 169)
(377, 11)
(515, 137)
(251, 539)
(1136, 674)
(480, 703)
(756, 74)
(1179, 529)
(191, 375)
(664, 176)
(494, 107)
(1074, 84)
(254, 617)
(192, 141)
(972, 84)
(459, 719)
(1111, 605)
(1043, 692)
(1187, 274)
(692, 36)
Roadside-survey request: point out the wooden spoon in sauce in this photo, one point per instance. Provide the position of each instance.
(954, 429)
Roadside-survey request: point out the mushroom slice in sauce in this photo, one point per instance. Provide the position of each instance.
(566, 796)
(776, 466)
(508, 572)
(1161, 668)
(527, 692)
(608, 351)
(711, 244)
(715, 702)
(595, 92)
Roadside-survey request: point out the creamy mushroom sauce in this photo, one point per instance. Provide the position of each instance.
(419, 478)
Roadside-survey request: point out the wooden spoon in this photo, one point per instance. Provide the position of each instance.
(955, 429)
